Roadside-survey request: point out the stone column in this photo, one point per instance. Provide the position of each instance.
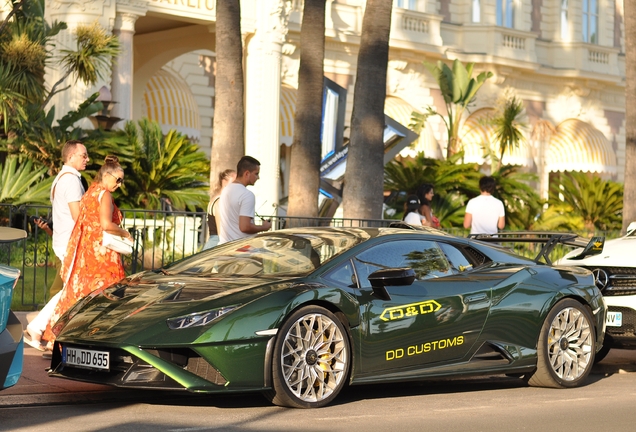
(262, 107)
(122, 78)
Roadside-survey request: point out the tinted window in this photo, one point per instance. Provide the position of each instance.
(269, 254)
(343, 275)
(456, 258)
(425, 257)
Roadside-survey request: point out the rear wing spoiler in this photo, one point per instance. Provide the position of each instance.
(593, 246)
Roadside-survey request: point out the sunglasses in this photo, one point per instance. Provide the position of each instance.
(118, 180)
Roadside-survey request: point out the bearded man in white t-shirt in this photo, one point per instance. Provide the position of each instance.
(236, 207)
(485, 214)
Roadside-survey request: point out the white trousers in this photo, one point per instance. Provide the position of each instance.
(39, 323)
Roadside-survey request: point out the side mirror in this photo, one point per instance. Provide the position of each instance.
(380, 279)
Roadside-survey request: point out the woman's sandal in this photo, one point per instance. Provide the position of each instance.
(28, 339)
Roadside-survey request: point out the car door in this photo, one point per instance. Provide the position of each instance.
(436, 319)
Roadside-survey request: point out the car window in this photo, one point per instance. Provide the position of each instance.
(456, 258)
(425, 257)
(343, 275)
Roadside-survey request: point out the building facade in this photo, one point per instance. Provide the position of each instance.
(563, 58)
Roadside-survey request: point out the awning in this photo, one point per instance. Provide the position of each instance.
(169, 101)
(400, 110)
(477, 135)
(287, 113)
(579, 146)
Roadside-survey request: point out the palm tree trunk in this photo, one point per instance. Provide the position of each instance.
(306, 148)
(228, 143)
(363, 185)
(629, 197)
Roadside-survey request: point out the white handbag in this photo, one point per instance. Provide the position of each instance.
(117, 243)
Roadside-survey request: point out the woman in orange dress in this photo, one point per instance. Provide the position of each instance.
(88, 265)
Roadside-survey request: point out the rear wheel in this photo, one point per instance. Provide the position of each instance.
(311, 360)
(565, 350)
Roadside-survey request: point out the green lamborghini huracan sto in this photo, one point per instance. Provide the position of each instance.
(298, 313)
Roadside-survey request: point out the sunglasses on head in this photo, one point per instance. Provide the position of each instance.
(118, 180)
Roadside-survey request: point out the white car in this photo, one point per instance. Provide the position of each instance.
(614, 272)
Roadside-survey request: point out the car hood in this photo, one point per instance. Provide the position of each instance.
(616, 253)
(135, 310)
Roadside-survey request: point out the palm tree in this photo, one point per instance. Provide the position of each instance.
(228, 142)
(508, 126)
(170, 167)
(362, 192)
(629, 211)
(306, 148)
(458, 88)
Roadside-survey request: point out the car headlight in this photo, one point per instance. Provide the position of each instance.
(198, 319)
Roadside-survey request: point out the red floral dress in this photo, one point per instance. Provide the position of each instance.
(88, 266)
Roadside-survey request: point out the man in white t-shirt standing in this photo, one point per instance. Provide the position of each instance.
(485, 214)
(237, 204)
(66, 193)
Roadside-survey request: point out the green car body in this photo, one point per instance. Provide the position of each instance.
(221, 321)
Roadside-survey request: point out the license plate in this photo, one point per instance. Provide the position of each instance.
(84, 358)
(614, 319)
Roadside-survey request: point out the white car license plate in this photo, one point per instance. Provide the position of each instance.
(614, 319)
(84, 358)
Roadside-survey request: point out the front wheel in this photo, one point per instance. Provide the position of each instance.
(566, 346)
(311, 360)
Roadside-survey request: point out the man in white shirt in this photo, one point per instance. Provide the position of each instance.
(485, 214)
(66, 193)
(236, 207)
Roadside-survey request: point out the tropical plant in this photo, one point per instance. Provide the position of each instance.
(453, 182)
(41, 141)
(508, 126)
(228, 142)
(583, 200)
(306, 147)
(22, 183)
(162, 167)
(25, 44)
(362, 192)
(458, 88)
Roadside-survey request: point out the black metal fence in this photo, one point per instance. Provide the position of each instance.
(160, 237)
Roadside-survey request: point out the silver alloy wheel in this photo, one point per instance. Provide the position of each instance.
(314, 357)
(570, 344)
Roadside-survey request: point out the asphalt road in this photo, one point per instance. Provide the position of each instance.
(495, 403)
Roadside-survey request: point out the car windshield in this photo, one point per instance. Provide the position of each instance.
(272, 254)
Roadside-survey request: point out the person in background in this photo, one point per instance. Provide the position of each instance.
(485, 214)
(88, 265)
(237, 204)
(225, 177)
(412, 215)
(425, 193)
(66, 193)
